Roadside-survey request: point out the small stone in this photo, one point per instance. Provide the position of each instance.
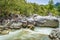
(30, 26)
(4, 32)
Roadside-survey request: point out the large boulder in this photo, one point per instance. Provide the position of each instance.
(46, 21)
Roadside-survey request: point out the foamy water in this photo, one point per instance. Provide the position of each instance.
(26, 34)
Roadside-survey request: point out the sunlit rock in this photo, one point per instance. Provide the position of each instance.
(50, 21)
(4, 32)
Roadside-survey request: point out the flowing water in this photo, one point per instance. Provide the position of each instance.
(39, 33)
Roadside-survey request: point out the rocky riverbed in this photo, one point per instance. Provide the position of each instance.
(39, 33)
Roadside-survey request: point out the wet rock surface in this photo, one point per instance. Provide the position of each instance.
(55, 34)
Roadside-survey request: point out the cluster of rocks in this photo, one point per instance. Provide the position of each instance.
(55, 34)
(18, 21)
(35, 20)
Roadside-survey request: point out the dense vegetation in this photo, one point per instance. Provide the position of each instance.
(22, 7)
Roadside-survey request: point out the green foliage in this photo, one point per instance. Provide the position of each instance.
(22, 7)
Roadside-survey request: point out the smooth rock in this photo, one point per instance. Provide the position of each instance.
(46, 21)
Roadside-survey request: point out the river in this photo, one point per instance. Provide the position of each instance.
(39, 33)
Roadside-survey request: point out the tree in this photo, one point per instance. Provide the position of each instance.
(50, 5)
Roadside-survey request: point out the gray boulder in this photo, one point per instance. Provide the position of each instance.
(48, 21)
